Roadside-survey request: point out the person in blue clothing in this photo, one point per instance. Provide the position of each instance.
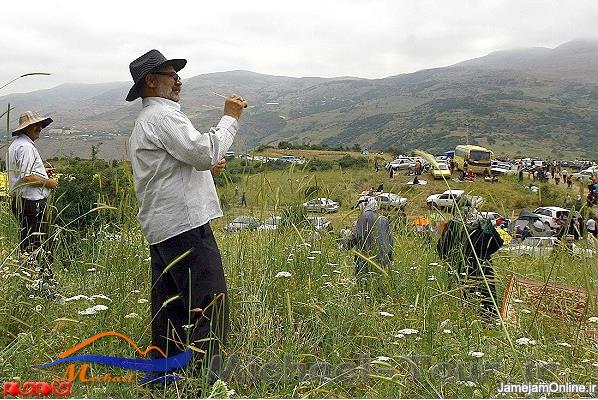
(371, 237)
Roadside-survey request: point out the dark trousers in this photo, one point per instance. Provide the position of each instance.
(31, 217)
(190, 292)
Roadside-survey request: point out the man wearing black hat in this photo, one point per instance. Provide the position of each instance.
(172, 164)
(29, 184)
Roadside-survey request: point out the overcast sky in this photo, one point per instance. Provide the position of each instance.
(91, 42)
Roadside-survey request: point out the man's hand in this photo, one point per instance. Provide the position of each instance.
(51, 183)
(219, 167)
(234, 105)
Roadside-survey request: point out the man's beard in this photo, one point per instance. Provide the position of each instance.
(168, 93)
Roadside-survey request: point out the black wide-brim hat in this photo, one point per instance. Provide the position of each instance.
(151, 61)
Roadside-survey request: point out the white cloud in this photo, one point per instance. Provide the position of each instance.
(94, 42)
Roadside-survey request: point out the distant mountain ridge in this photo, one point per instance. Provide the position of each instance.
(529, 101)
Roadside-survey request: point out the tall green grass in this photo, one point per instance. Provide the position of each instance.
(317, 315)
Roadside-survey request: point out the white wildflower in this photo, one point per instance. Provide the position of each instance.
(94, 309)
(412, 267)
(91, 270)
(525, 311)
(39, 308)
(77, 297)
(593, 319)
(132, 315)
(564, 344)
(523, 341)
(447, 331)
(361, 313)
(383, 358)
(476, 354)
(408, 331)
(31, 296)
(431, 278)
(141, 301)
(399, 335)
(134, 291)
(332, 264)
(386, 314)
(101, 296)
(283, 274)
(311, 258)
(26, 273)
(468, 383)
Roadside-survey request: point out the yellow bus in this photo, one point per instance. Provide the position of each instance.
(478, 158)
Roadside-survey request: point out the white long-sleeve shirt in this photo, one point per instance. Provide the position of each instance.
(24, 160)
(171, 163)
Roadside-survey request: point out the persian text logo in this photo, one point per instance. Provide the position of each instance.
(54, 389)
(156, 369)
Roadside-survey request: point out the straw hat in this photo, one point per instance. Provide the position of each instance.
(29, 118)
(150, 61)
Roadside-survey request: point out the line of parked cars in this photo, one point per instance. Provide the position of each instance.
(249, 223)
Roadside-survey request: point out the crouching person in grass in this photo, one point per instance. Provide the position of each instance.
(29, 187)
(172, 167)
(371, 238)
(467, 249)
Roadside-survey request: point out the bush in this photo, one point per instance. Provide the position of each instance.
(85, 184)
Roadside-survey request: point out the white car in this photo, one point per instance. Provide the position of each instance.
(320, 223)
(450, 198)
(390, 201)
(322, 205)
(494, 217)
(553, 217)
(585, 175)
(270, 224)
(242, 223)
(542, 247)
(401, 163)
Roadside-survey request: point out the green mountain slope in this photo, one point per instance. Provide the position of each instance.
(526, 101)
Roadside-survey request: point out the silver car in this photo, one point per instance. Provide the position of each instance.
(242, 223)
(322, 205)
(390, 201)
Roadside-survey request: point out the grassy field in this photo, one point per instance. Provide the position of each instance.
(315, 333)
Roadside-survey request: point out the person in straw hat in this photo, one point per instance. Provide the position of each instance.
(29, 184)
(172, 164)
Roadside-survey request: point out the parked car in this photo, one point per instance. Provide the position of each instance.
(440, 170)
(390, 201)
(230, 154)
(543, 246)
(502, 168)
(451, 197)
(494, 217)
(553, 217)
(242, 223)
(585, 174)
(320, 223)
(270, 223)
(400, 163)
(322, 205)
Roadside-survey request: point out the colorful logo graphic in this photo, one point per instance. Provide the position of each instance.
(156, 369)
